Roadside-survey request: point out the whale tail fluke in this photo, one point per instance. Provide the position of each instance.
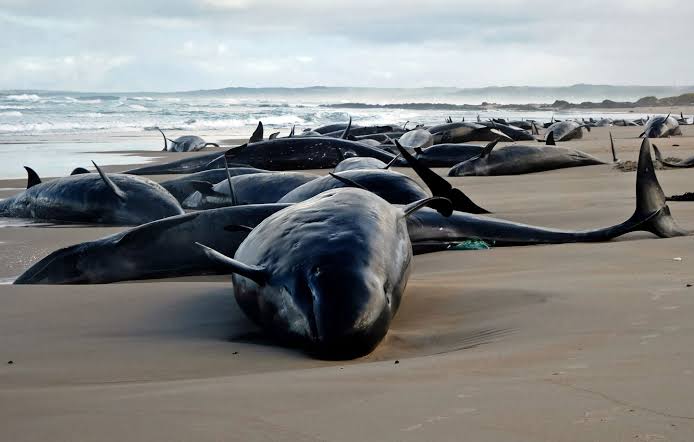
(652, 213)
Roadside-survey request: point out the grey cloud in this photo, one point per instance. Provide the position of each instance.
(362, 42)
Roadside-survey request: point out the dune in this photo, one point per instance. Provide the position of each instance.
(541, 343)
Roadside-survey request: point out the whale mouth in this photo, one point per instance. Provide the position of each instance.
(345, 320)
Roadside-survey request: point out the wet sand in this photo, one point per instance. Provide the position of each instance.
(578, 342)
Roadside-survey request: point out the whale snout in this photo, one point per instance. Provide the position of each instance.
(350, 312)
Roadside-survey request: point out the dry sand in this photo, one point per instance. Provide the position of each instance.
(579, 342)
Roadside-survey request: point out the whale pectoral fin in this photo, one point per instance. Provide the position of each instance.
(549, 139)
(79, 171)
(642, 134)
(206, 188)
(502, 136)
(391, 162)
(345, 134)
(146, 232)
(110, 184)
(340, 155)
(291, 134)
(257, 134)
(614, 153)
(441, 205)
(32, 177)
(347, 181)
(255, 273)
(238, 228)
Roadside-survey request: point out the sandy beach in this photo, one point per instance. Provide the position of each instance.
(576, 342)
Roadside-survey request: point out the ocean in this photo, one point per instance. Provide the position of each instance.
(51, 131)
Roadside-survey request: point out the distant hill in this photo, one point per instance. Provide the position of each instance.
(578, 93)
(492, 94)
(651, 101)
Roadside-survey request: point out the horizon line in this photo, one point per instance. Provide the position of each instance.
(296, 88)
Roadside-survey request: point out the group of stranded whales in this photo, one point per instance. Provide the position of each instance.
(318, 260)
(99, 198)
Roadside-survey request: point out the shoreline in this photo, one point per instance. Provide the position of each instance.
(551, 342)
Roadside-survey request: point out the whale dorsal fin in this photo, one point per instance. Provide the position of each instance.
(273, 135)
(257, 274)
(347, 181)
(32, 177)
(79, 171)
(163, 135)
(110, 184)
(488, 148)
(257, 134)
(145, 232)
(345, 134)
(440, 204)
(550, 139)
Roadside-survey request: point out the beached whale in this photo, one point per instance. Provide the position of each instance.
(683, 164)
(394, 187)
(464, 132)
(160, 249)
(564, 131)
(185, 143)
(661, 127)
(98, 198)
(294, 153)
(361, 163)
(257, 188)
(182, 188)
(513, 132)
(430, 232)
(417, 139)
(448, 155)
(165, 248)
(327, 274)
(519, 159)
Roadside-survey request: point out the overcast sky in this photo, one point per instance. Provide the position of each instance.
(168, 45)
